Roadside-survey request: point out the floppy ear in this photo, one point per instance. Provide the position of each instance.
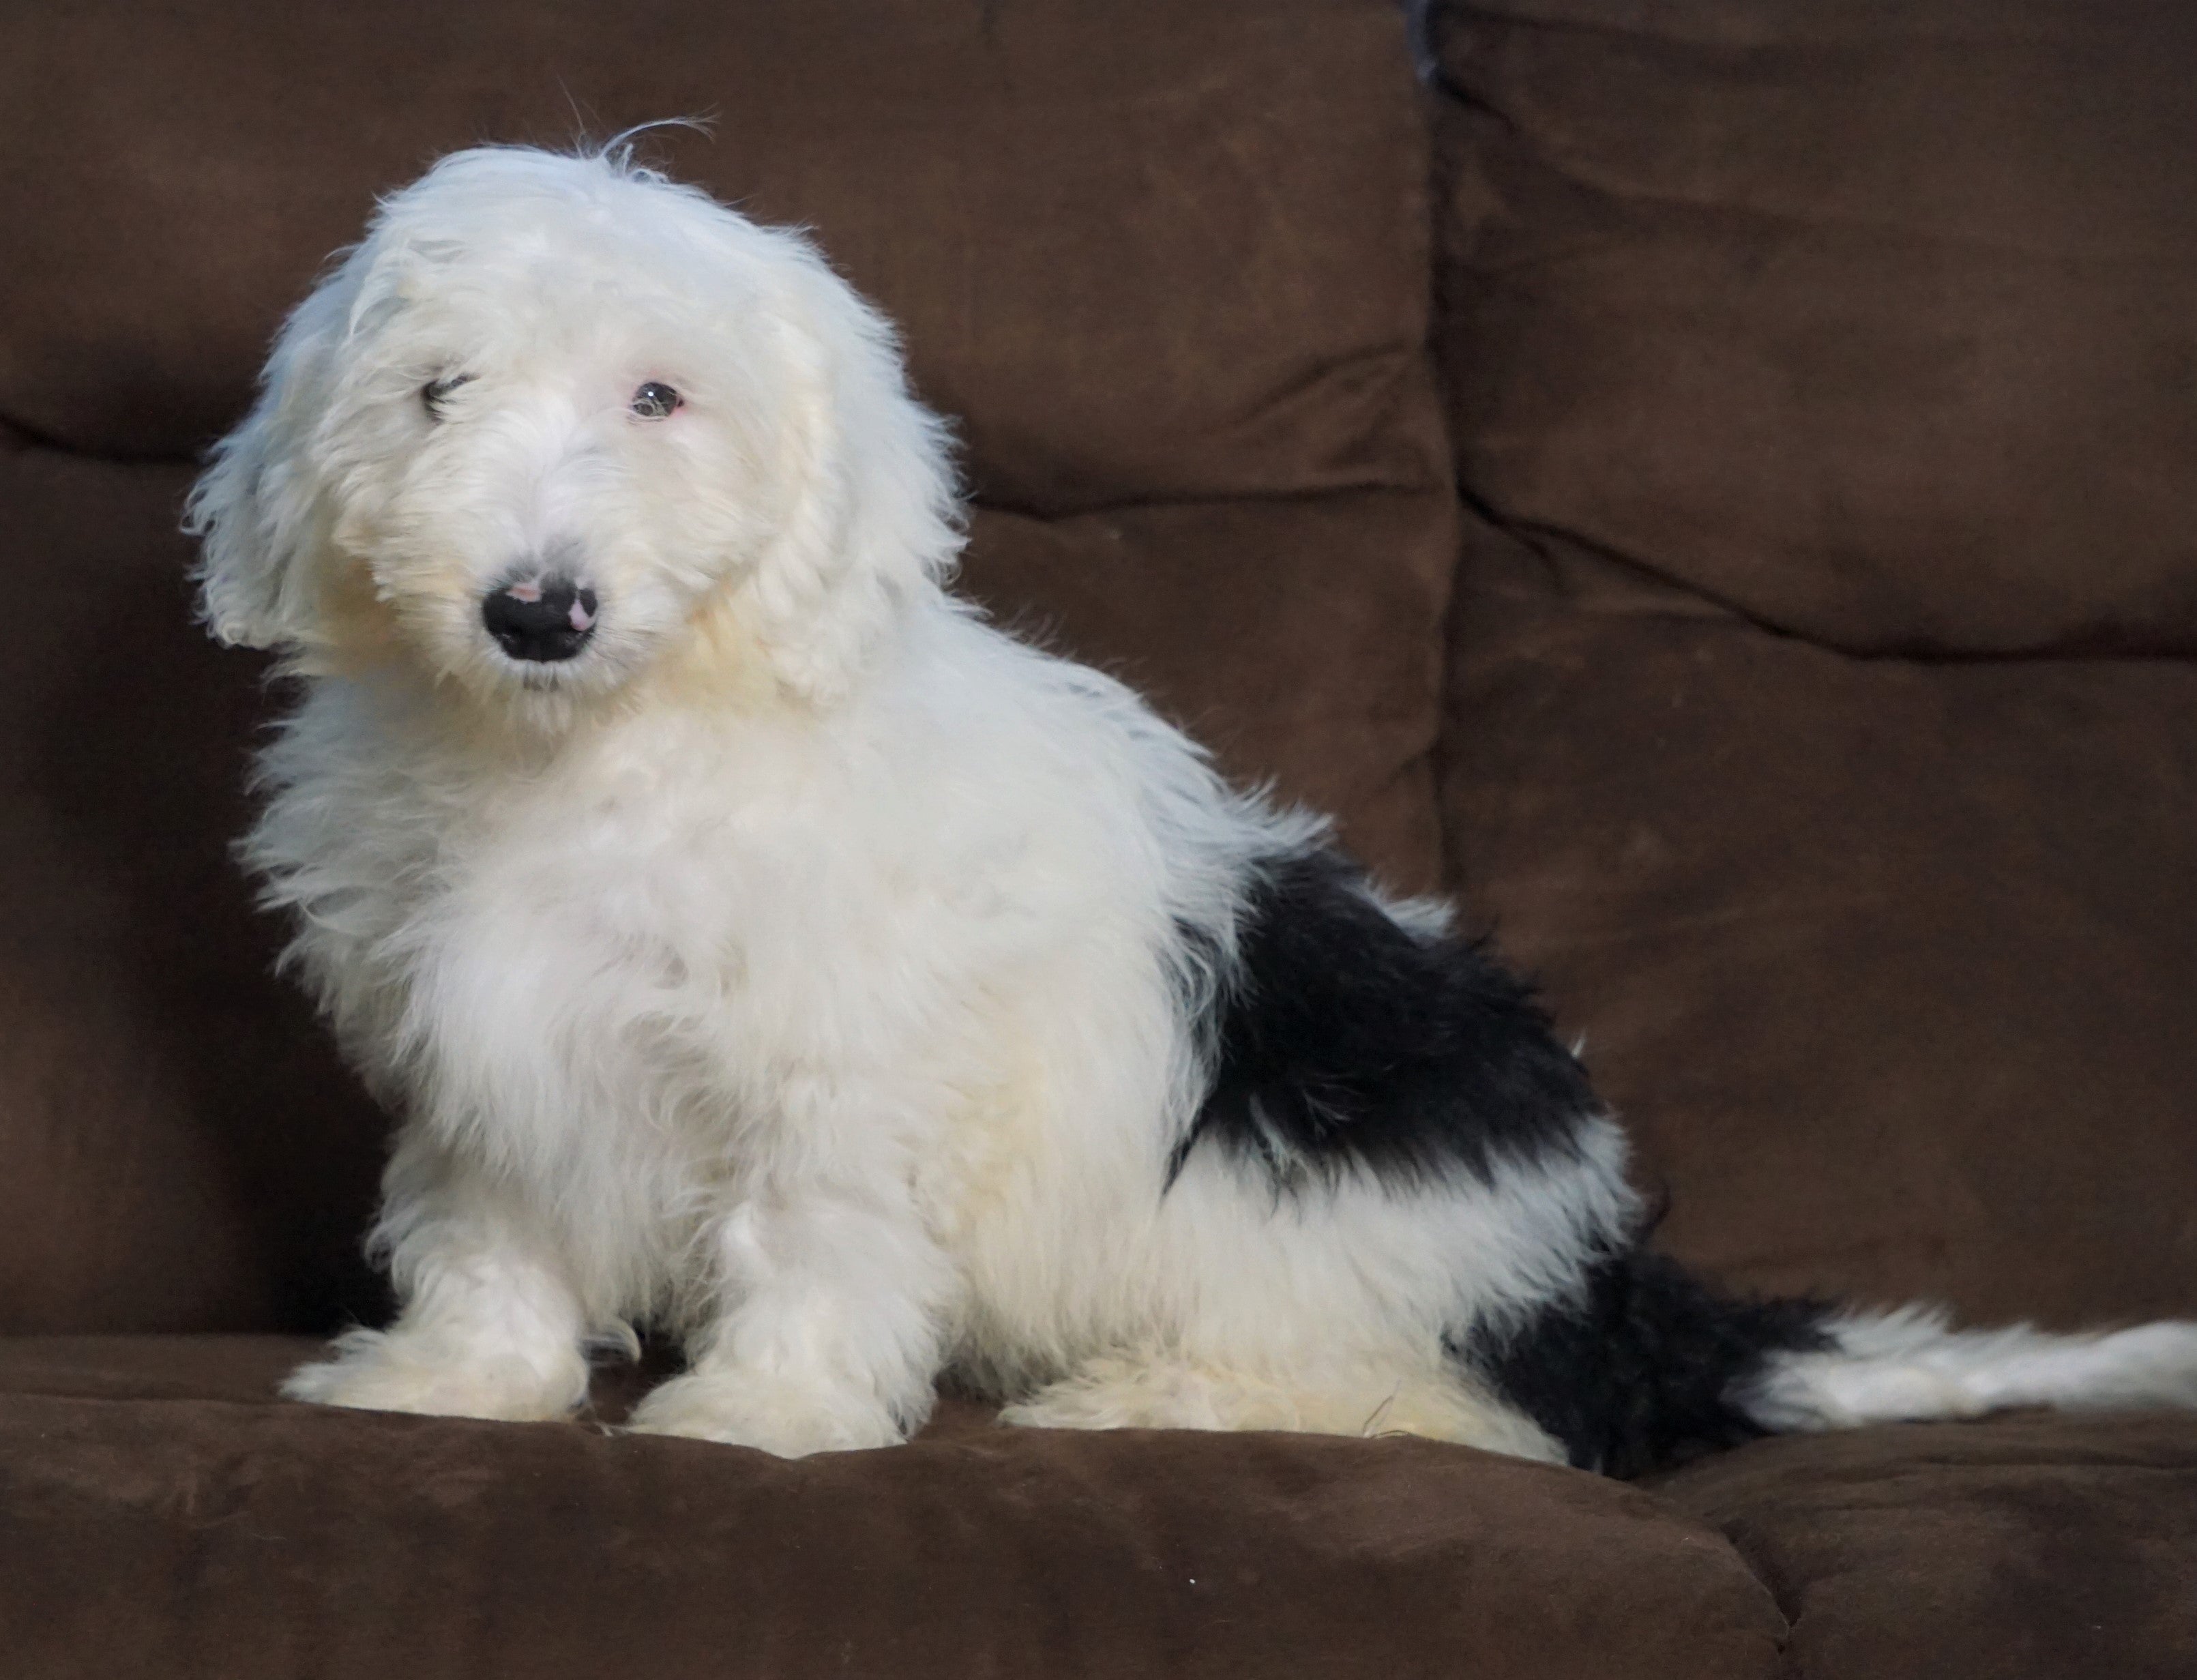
(257, 508)
(875, 522)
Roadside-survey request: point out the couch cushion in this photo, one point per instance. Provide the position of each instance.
(1166, 267)
(1782, 336)
(160, 1516)
(1876, 321)
(1298, 639)
(1167, 255)
(2031, 1548)
(1115, 245)
(1888, 966)
(178, 1149)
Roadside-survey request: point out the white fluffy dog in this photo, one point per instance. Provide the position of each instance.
(754, 942)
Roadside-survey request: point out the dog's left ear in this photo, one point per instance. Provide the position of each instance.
(257, 508)
(875, 522)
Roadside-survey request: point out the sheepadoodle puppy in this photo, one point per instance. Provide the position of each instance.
(754, 942)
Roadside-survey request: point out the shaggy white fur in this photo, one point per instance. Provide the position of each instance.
(751, 939)
(1910, 1364)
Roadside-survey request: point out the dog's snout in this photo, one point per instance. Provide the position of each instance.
(543, 619)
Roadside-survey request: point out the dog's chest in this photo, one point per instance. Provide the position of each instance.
(672, 942)
(672, 965)
(624, 915)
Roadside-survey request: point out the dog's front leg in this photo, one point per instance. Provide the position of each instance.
(490, 1326)
(831, 1325)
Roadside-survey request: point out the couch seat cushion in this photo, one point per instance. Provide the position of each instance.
(2035, 1547)
(162, 1514)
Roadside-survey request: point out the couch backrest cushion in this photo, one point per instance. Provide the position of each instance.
(1142, 251)
(1802, 351)
(1163, 264)
(178, 1148)
(1876, 322)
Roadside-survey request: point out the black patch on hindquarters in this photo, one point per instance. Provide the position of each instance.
(1637, 1370)
(1341, 1040)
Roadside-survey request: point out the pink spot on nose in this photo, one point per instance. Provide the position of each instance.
(525, 592)
(581, 617)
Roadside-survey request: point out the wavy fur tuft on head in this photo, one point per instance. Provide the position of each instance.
(452, 407)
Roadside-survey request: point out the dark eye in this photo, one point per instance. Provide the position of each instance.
(654, 401)
(435, 391)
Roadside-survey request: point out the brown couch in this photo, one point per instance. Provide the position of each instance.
(1715, 484)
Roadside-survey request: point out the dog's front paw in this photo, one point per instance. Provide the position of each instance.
(374, 1370)
(790, 1418)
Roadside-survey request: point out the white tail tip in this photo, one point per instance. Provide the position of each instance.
(1886, 1367)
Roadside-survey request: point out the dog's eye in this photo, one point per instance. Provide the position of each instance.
(655, 402)
(435, 391)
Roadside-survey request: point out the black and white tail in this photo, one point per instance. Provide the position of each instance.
(1351, 1040)
(1645, 1367)
(1881, 1367)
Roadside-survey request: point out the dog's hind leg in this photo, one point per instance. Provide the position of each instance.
(1368, 1397)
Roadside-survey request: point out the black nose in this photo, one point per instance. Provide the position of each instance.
(541, 618)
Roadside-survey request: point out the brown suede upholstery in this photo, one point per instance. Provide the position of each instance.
(1805, 680)
(265, 1539)
(1887, 965)
(1057, 209)
(1869, 319)
(1823, 727)
(183, 1150)
(2027, 1546)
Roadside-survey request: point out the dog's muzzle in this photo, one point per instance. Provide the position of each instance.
(543, 619)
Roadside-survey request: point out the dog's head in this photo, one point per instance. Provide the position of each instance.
(557, 423)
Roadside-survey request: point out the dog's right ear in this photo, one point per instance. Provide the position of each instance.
(258, 508)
